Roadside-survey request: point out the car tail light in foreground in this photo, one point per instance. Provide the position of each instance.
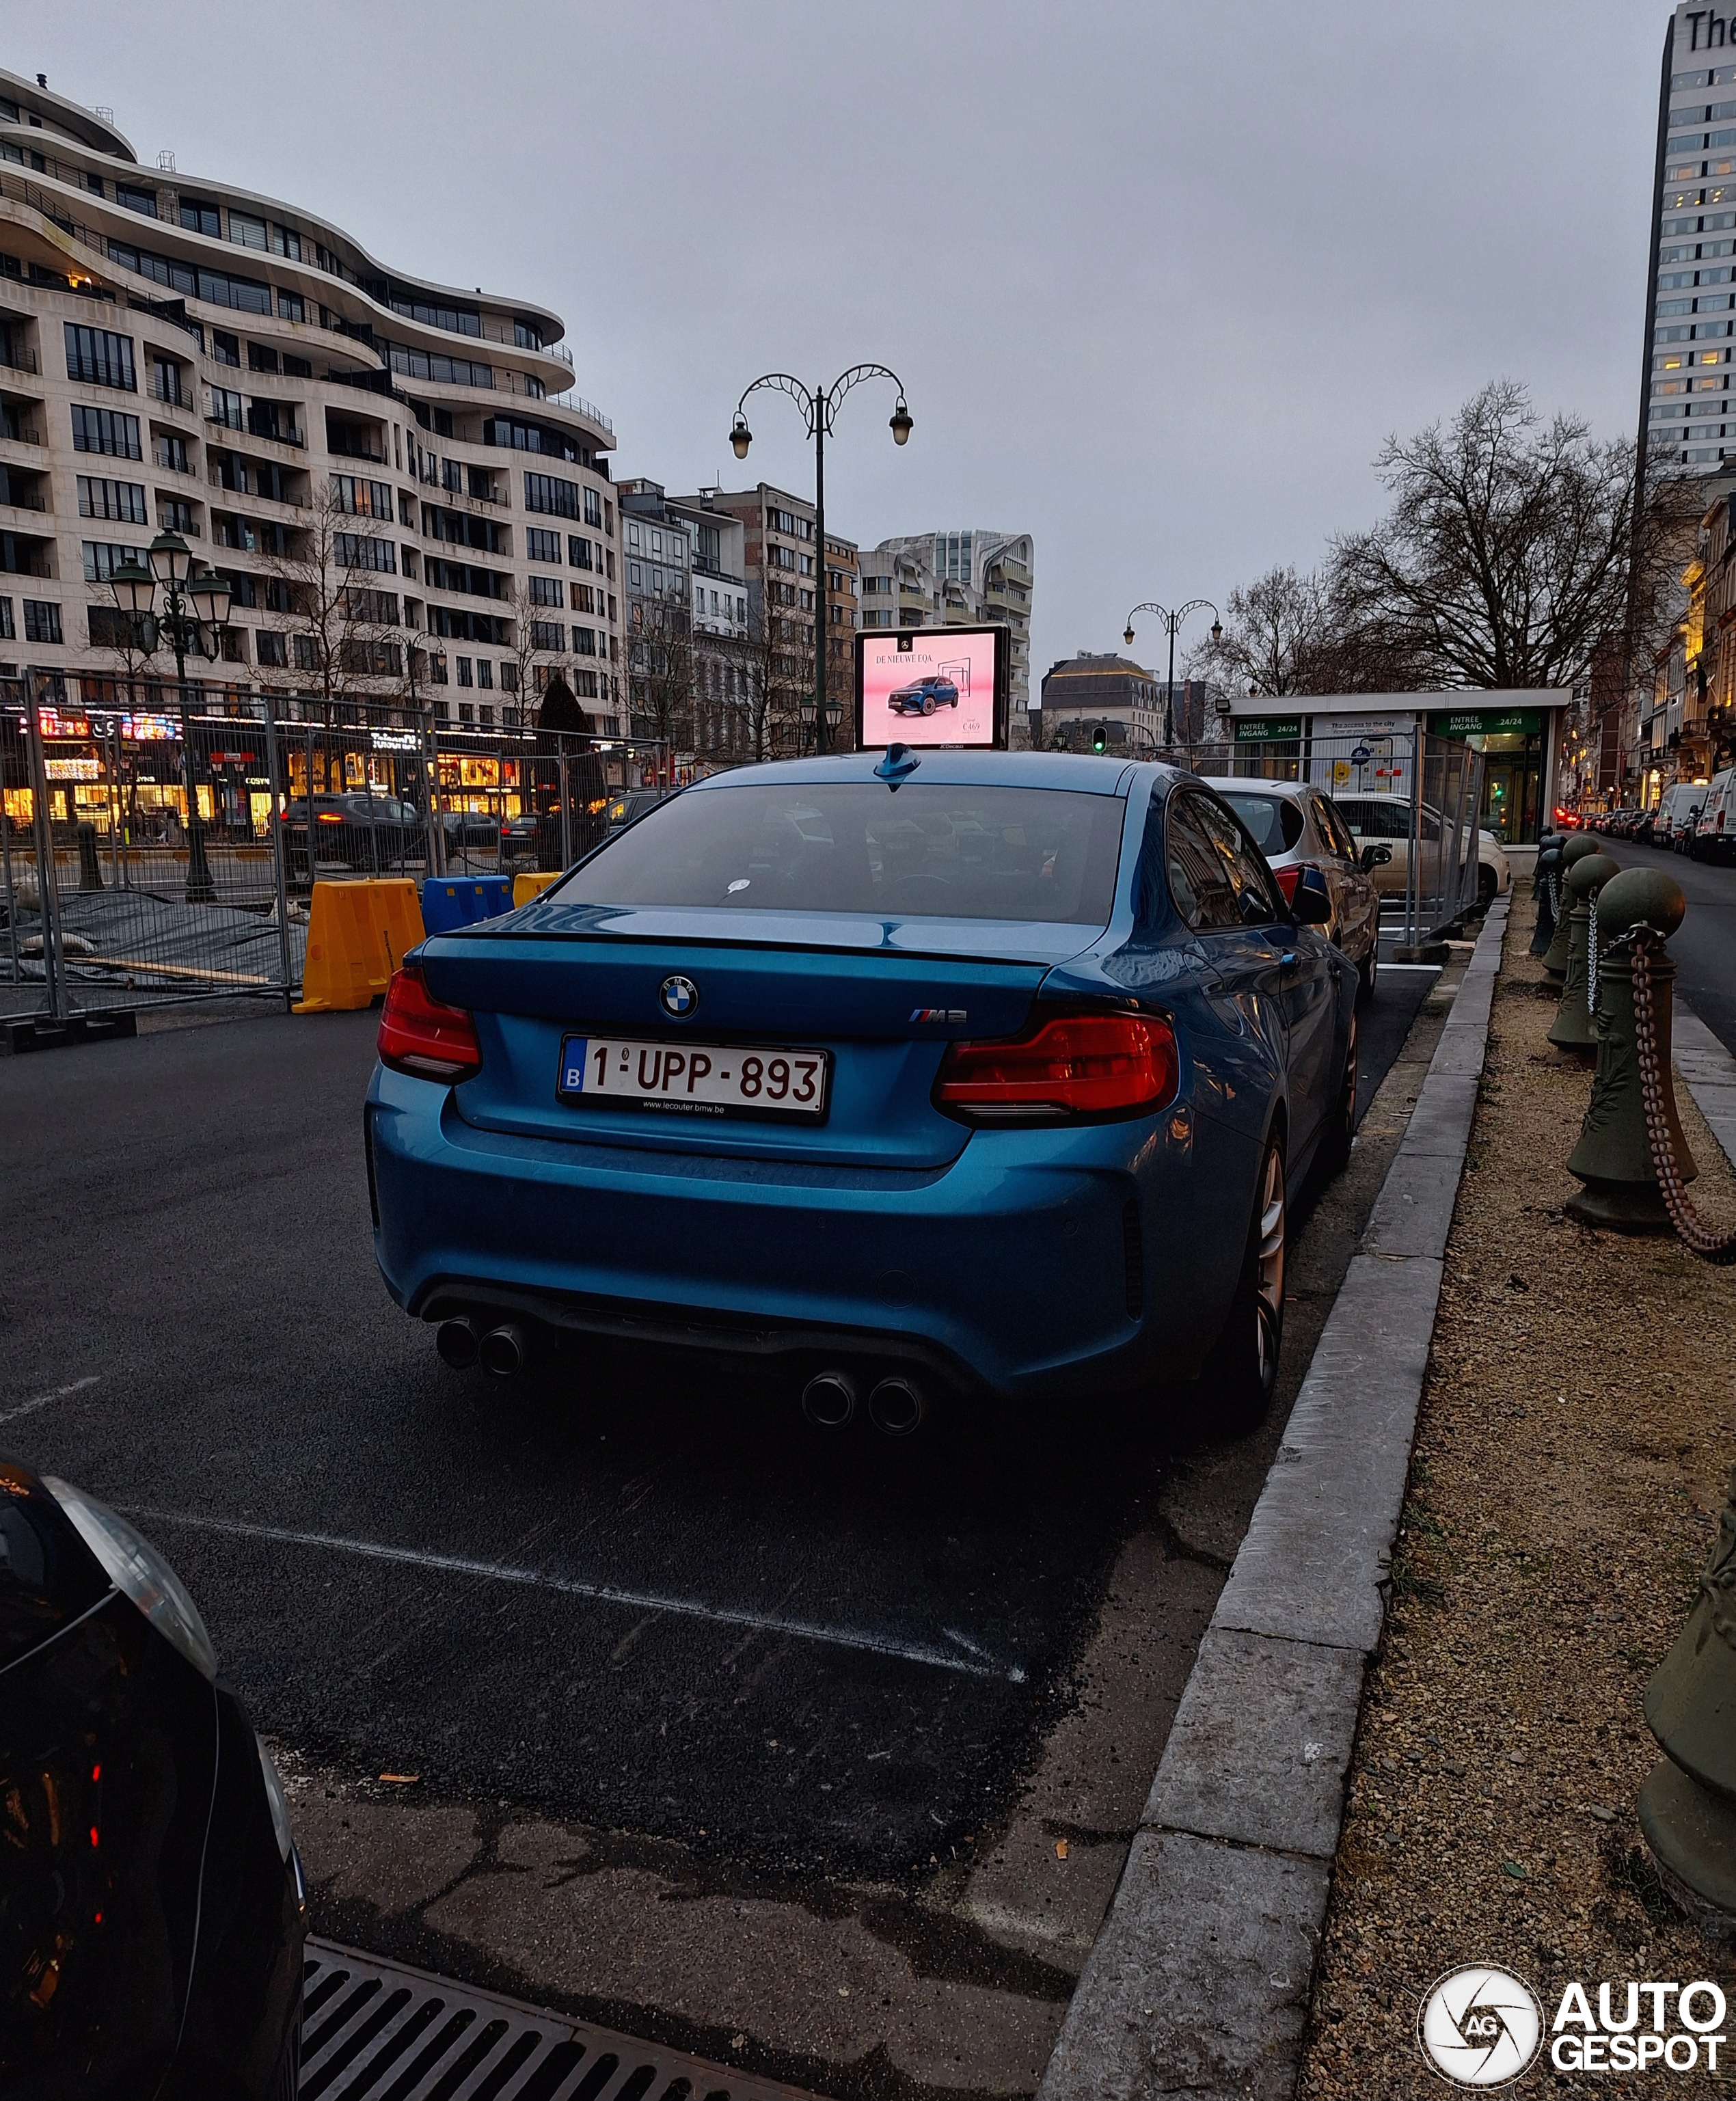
(1286, 878)
(420, 1036)
(1072, 1065)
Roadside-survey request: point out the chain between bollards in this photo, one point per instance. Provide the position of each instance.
(1719, 1249)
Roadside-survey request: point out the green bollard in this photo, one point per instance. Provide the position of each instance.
(1571, 1028)
(1613, 1157)
(1687, 1804)
(1546, 882)
(1579, 848)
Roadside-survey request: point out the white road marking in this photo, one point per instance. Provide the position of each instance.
(42, 1400)
(864, 1638)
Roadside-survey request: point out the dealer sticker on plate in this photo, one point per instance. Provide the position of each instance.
(696, 1079)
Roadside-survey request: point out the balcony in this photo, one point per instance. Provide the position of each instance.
(15, 357)
(348, 448)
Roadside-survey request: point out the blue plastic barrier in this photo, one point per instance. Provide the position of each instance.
(460, 900)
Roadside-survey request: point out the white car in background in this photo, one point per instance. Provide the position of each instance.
(1296, 827)
(1387, 818)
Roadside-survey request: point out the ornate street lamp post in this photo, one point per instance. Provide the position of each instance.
(819, 405)
(1173, 620)
(196, 608)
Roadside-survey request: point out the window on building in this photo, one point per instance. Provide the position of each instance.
(123, 501)
(174, 515)
(226, 409)
(42, 622)
(467, 675)
(578, 552)
(541, 544)
(593, 508)
(105, 430)
(200, 218)
(548, 493)
(247, 231)
(100, 357)
(291, 306)
(362, 498)
(551, 634)
(102, 558)
(286, 241)
(635, 575)
(363, 551)
(142, 201)
(270, 646)
(225, 348)
(546, 590)
(485, 674)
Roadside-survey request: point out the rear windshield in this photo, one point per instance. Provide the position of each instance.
(927, 852)
(1275, 820)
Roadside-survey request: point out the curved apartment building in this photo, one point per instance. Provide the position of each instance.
(395, 476)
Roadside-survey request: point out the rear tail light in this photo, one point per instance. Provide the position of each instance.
(1073, 1065)
(1287, 880)
(422, 1036)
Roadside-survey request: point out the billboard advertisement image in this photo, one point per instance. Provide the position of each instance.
(937, 686)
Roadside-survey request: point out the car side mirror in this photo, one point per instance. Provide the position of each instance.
(1374, 857)
(1312, 905)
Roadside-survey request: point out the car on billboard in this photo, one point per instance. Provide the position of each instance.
(924, 696)
(812, 1062)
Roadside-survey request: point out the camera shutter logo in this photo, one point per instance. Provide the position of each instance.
(1480, 2026)
(679, 995)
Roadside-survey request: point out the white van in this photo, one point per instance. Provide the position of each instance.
(1714, 832)
(1678, 811)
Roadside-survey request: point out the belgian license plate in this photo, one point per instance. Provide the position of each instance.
(694, 1079)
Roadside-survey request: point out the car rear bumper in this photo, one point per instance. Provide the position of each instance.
(1037, 1264)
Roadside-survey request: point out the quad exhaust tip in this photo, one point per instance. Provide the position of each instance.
(895, 1406)
(504, 1350)
(829, 1400)
(457, 1342)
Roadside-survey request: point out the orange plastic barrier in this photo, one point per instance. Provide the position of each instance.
(525, 887)
(357, 935)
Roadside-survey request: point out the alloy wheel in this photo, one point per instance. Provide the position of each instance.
(1269, 1302)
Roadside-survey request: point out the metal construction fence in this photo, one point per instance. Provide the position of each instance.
(160, 843)
(1395, 785)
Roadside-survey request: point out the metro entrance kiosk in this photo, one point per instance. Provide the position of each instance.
(934, 689)
(1518, 730)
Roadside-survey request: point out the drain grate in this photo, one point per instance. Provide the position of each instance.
(376, 2031)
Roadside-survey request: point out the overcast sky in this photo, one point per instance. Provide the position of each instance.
(1159, 278)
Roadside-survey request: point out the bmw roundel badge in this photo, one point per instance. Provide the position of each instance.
(679, 995)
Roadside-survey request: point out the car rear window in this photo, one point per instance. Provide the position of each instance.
(928, 852)
(1275, 820)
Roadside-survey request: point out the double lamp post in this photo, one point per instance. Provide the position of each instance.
(819, 406)
(195, 612)
(1172, 621)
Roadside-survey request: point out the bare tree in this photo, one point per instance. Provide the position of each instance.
(661, 669)
(1510, 551)
(340, 613)
(527, 648)
(770, 686)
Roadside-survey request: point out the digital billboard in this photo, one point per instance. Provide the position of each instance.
(932, 686)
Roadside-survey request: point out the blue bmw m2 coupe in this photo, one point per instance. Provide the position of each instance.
(964, 1070)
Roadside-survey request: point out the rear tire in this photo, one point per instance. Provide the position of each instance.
(1368, 971)
(1487, 884)
(1335, 1144)
(1237, 1378)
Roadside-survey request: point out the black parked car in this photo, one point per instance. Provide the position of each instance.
(373, 834)
(152, 1906)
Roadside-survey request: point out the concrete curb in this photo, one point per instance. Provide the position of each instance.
(1198, 1982)
(1709, 1073)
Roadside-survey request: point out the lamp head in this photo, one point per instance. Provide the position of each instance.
(171, 559)
(133, 587)
(210, 596)
(902, 424)
(1218, 630)
(1127, 634)
(740, 437)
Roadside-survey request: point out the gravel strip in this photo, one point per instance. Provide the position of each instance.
(1577, 1427)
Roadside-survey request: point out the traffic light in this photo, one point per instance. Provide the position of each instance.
(1100, 737)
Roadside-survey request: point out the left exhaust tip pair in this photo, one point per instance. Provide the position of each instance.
(503, 1351)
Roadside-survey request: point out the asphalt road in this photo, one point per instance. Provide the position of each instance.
(1705, 946)
(618, 1596)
